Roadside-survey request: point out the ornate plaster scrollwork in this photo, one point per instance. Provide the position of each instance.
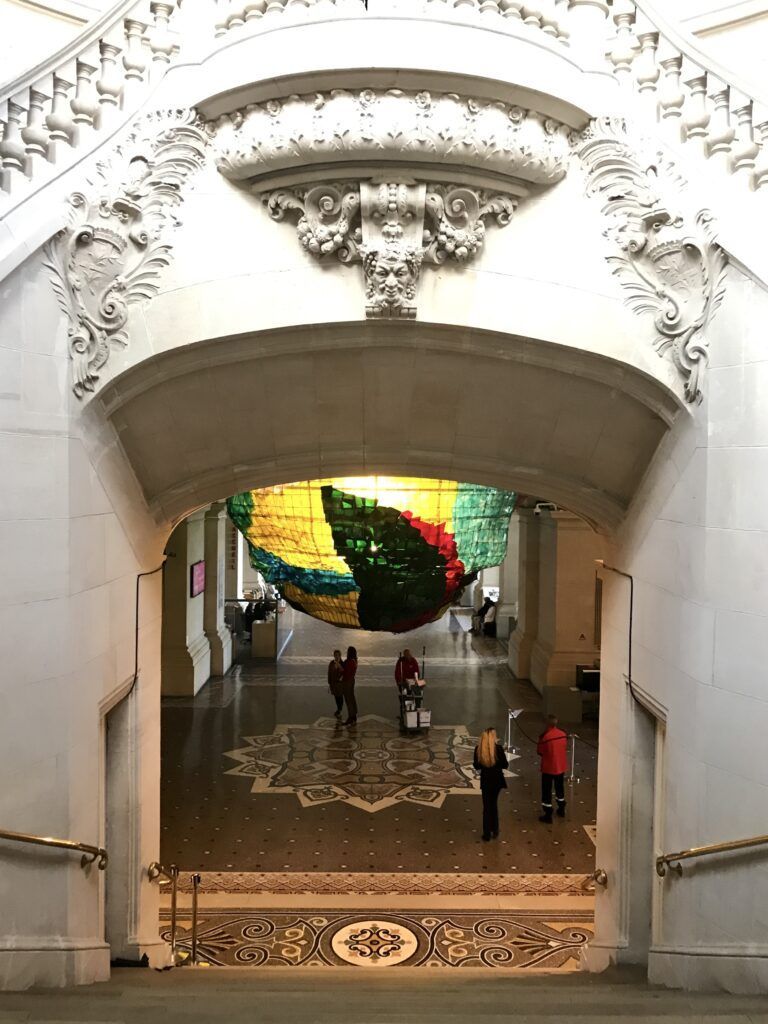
(115, 249)
(392, 228)
(670, 264)
(411, 128)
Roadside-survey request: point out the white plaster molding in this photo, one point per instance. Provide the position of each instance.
(670, 264)
(392, 228)
(113, 253)
(393, 125)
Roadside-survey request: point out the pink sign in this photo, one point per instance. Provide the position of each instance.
(196, 579)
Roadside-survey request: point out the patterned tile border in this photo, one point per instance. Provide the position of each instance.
(389, 883)
(520, 940)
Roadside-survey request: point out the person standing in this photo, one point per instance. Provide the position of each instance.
(407, 671)
(553, 750)
(490, 760)
(349, 670)
(335, 674)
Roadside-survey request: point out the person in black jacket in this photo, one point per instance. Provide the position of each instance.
(490, 761)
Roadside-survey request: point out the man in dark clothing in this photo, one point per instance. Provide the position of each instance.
(553, 750)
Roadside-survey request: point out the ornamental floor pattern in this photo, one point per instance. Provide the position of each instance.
(243, 789)
(516, 940)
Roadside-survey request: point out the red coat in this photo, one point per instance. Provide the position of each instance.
(553, 750)
(406, 668)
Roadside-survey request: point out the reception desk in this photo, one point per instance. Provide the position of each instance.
(270, 638)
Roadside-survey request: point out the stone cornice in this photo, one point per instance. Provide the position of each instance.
(389, 127)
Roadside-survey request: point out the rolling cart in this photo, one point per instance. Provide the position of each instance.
(414, 717)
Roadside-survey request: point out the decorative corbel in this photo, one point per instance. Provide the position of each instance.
(116, 247)
(670, 264)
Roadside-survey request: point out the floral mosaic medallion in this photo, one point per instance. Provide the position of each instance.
(374, 943)
(514, 940)
(371, 766)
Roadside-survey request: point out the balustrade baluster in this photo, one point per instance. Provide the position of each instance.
(490, 7)
(647, 71)
(221, 19)
(548, 18)
(512, 9)
(587, 23)
(671, 95)
(161, 41)
(60, 122)
(110, 83)
(12, 150)
(745, 147)
(237, 13)
(532, 11)
(561, 13)
(35, 133)
(254, 9)
(625, 47)
(760, 119)
(720, 133)
(135, 57)
(695, 110)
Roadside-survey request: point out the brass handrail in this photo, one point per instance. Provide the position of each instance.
(90, 853)
(671, 859)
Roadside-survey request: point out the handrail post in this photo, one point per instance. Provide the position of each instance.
(174, 903)
(195, 886)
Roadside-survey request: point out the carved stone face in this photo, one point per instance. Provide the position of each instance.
(391, 276)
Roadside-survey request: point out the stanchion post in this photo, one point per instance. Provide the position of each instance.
(572, 778)
(174, 903)
(195, 885)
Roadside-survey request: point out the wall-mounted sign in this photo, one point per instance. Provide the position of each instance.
(196, 578)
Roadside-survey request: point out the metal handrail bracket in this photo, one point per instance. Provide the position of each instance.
(90, 854)
(672, 860)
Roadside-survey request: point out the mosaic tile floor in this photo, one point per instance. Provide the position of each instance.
(518, 941)
(240, 793)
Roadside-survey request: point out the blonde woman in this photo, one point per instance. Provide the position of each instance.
(490, 761)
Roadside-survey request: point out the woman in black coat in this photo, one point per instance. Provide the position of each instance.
(490, 761)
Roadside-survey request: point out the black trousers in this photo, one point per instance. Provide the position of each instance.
(339, 701)
(490, 811)
(546, 789)
(349, 697)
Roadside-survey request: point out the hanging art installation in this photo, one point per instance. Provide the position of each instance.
(375, 553)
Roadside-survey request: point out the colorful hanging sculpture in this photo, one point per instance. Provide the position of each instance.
(374, 553)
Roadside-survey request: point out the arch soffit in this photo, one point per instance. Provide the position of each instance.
(201, 422)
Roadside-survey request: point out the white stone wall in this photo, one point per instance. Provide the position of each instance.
(70, 555)
(697, 545)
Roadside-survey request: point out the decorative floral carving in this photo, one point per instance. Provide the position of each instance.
(413, 127)
(459, 215)
(671, 266)
(383, 226)
(115, 249)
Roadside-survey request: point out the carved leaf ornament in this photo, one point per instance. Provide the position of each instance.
(670, 264)
(113, 253)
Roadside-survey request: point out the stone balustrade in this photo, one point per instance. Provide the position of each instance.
(693, 101)
(56, 113)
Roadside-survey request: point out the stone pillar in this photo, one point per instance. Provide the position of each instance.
(186, 652)
(233, 565)
(523, 638)
(508, 577)
(216, 631)
(566, 635)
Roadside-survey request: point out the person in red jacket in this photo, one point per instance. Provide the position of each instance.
(406, 670)
(553, 751)
(348, 672)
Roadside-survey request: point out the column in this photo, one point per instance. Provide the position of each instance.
(508, 577)
(567, 627)
(186, 652)
(219, 637)
(233, 569)
(524, 636)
